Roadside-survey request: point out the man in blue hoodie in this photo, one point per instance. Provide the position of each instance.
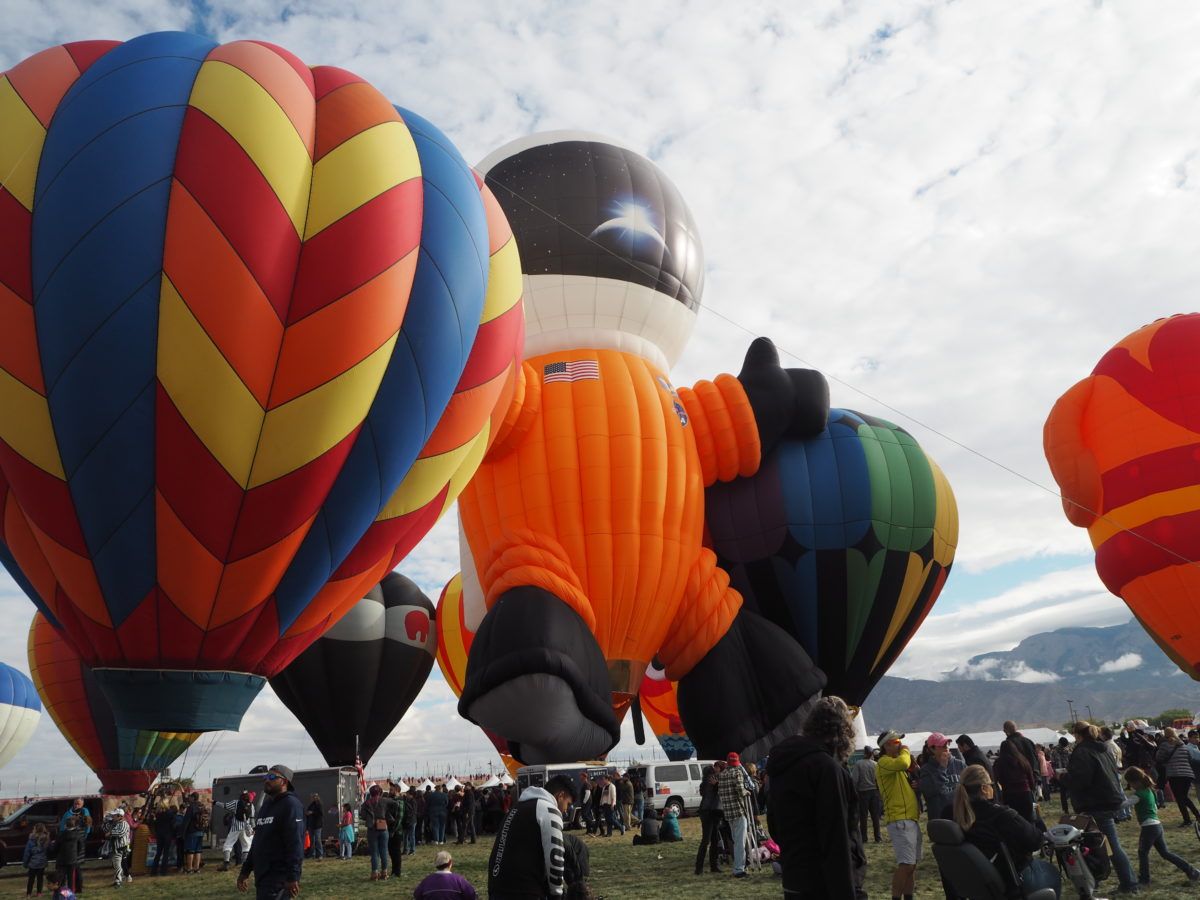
(277, 853)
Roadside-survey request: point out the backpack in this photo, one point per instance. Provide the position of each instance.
(202, 820)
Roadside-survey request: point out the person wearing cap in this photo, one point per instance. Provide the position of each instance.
(939, 776)
(900, 812)
(732, 789)
(442, 883)
(276, 854)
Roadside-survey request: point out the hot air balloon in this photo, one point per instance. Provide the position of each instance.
(1123, 445)
(844, 539)
(20, 711)
(583, 528)
(453, 645)
(658, 701)
(126, 760)
(352, 686)
(238, 377)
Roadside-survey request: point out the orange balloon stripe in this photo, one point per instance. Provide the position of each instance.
(54, 670)
(19, 355)
(238, 319)
(43, 79)
(340, 335)
(353, 107)
(23, 545)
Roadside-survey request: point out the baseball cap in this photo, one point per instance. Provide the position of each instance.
(888, 736)
(733, 759)
(442, 859)
(285, 772)
(937, 739)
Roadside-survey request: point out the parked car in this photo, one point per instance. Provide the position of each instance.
(676, 785)
(16, 828)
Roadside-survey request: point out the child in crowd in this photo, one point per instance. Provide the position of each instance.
(1152, 831)
(34, 858)
(58, 890)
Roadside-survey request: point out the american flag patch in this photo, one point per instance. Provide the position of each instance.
(580, 370)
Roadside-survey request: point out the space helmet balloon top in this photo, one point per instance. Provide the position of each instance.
(609, 249)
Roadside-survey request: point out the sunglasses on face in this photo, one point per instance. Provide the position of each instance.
(271, 776)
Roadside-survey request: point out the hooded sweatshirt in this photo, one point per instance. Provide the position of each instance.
(812, 814)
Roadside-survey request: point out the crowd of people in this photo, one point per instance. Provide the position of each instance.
(820, 808)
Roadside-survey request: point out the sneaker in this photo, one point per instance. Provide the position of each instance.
(741, 874)
(1194, 875)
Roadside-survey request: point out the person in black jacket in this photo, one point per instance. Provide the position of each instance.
(528, 859)
(710, 821)
(971, 753)
(988, 825)
(812, 811)
(277, 854)
(1096, 791)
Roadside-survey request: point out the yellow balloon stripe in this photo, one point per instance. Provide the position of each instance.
(915, 575)
(945, 520)
(21, 141)
(504, 282)
(299, 431)
(205, 389)
(1143, 510)
(358, 170)
(26, 426)
(254, 119)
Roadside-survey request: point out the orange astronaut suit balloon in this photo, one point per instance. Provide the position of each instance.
(1123, 445)
(583, 529)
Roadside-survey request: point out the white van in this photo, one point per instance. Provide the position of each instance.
(676, 785)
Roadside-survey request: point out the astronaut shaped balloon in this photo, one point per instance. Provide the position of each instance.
(583, 552)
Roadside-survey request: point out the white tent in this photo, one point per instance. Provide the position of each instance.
(402, 786)
(987, 740)
(424, 785)
(491, 782)
(452, 783)
(506, 779)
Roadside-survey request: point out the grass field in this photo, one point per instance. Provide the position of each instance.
(619, 872)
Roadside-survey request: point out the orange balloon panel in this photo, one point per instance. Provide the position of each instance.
(1124, 447)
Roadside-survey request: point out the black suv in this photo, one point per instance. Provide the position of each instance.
(15, 830)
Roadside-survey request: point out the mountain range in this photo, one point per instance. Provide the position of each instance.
(1116, 672)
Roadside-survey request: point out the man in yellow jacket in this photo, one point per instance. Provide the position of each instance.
(900, 812)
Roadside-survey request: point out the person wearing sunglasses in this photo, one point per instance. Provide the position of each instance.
(277, 853)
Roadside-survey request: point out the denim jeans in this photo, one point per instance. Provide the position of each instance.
(410, 837)
(1107, 824)
(317, 847)
(377, 843)
(1152, 836)
(737, 827)
(437, 822)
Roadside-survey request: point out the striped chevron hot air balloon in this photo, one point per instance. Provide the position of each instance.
(20, 711)
(239, 369)
(125, 759)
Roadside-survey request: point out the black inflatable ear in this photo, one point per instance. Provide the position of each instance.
(794, 402)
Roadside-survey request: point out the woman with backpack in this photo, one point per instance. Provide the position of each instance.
(1173, 757)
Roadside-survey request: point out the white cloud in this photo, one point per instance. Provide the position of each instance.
(1121, 663)
(954, 217)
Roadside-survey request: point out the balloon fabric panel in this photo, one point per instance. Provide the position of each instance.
(226, 333)
(854, 558)
(1122, 445)
(20, 710)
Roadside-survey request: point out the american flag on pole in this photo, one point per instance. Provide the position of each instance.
(579, 370)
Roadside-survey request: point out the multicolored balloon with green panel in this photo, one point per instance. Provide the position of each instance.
(844, 539)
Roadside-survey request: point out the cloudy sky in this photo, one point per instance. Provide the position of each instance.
(952, 209)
